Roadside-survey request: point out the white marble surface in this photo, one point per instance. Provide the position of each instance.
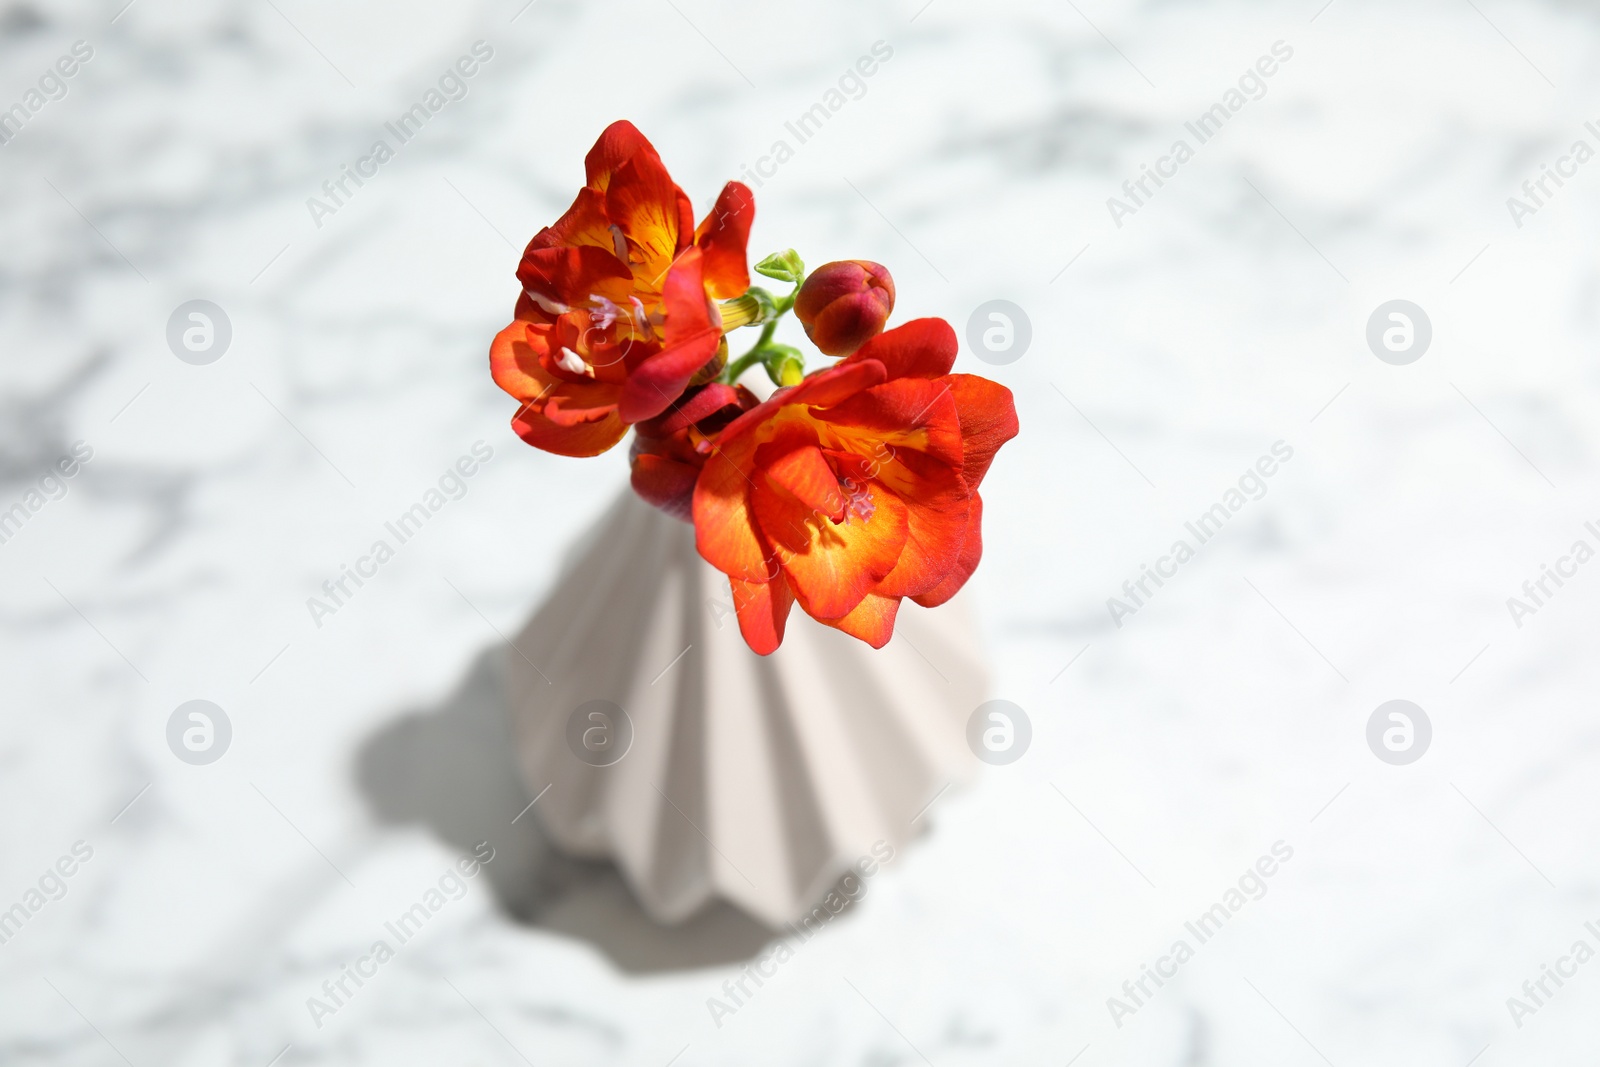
(1227, 314)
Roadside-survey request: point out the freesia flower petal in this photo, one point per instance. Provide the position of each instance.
(666, 483)
(921, 348)
(988, 420)
(871, 621)
(966, 562)
(570, 419)
(763, 609)
(577, 439)
(836, 384)
(723, 236)
(905, 413)
(691, 408)
(832, 566)
(724, 530)
(938, 515)
(514, 361)
(653, 214)
(691, 342)
(808, 478)
(568, 404)
(570, 275)
(823, 389)
(617, 144)
(585, 223)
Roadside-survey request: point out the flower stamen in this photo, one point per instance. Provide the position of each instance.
(554, 307)
(858, 501)
(573, 363)
(604, 312)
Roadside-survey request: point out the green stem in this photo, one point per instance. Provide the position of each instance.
(764, 351)
(736, 369)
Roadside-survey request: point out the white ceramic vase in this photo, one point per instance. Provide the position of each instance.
(755, 779)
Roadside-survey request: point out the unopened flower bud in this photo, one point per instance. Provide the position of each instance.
(785, 266)
(786, 366)
(845, 304)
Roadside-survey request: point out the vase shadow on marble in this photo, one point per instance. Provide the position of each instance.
(748, 787)
(450, 769)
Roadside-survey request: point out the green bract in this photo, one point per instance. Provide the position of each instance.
(785, 266)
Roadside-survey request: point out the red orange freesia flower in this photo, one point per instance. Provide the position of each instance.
(616, 315)
(854, 489)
